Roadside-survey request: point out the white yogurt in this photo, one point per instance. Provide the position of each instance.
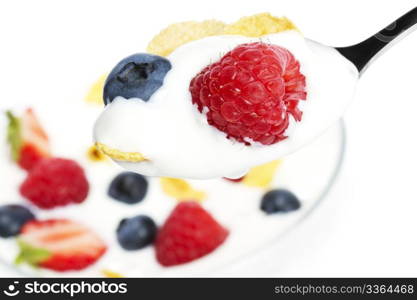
(235, 206)
(177, 140)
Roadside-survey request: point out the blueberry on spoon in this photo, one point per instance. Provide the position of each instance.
(136, 76)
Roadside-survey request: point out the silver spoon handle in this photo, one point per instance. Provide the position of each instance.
(361, 54)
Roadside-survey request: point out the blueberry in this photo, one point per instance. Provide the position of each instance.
(12, 218)
(136, 233)
(136, 76)
(128, 187)
(279, 201)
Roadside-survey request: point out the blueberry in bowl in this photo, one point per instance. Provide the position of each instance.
(12, 218)
(279, 201)
(128, 187)
(136, 232)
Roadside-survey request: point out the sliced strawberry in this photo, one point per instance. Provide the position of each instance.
(28, 141)
(59, 244)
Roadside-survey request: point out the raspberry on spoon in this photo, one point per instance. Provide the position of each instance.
(251, 92)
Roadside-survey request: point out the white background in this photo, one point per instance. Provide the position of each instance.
(367, 225)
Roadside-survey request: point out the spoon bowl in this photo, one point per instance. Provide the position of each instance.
(175, 140)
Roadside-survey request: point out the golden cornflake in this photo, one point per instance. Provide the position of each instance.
(181, 189)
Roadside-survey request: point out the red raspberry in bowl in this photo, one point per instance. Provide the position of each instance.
(55, 182)
(251, 92)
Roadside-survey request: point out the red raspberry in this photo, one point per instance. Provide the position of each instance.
(189, 233)
(55, 182)
(251, 92)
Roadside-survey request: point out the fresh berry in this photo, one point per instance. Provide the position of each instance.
(28, 141)
(55, 182)
(251, 92)
(235, 179)
(12, 218)
(59, 244)
(136, 76)
(189, 233)
(128, 187)
(279, 201)
(136, 233)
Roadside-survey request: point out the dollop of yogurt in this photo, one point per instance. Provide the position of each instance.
(175, 137)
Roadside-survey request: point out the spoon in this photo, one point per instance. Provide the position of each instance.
(363, 53)
(164, 135)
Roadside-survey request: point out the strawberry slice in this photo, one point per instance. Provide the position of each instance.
(28, 141)
(59, 244)
(189, 233)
